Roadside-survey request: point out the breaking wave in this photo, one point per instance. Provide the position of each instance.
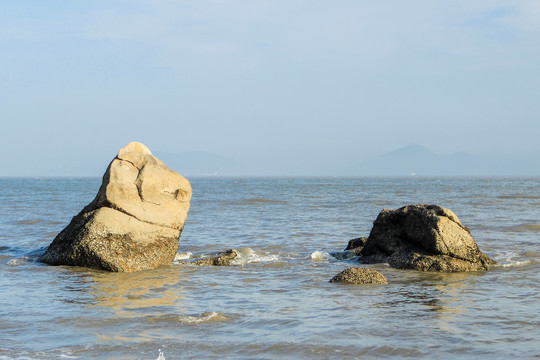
(183, 256)
(161, 356)
(322, 256)
(210, 316)
(516, 263)
(245, 256)
(248, 255)
(510, 259)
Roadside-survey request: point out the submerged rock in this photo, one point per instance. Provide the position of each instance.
(135, 220)
(359, 275)
(423, 237)
(223, 258)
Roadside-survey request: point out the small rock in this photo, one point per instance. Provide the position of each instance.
(220, 259)
(359, 275)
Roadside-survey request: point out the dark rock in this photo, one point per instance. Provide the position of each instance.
(358, 275)
(343, 255)
(219, 259)
(356, 245)
(423, 237)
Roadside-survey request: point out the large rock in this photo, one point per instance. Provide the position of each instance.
(358, 275)
(423, 237)
(134, 222)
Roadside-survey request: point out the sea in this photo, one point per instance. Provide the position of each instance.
(275, 301)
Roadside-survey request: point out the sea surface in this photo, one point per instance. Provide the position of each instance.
(275, 302)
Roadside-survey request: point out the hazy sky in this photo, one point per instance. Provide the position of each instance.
(279, 82)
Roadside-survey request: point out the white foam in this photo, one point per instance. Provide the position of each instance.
(515, 263)
(183, 256)
(248, 255)
(245, 256)
(14, 262)
(204, 317)
(161, 356)
(511, 259)
(321, 256)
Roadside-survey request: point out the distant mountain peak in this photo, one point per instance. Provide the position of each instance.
(419, 160)
(413, 148)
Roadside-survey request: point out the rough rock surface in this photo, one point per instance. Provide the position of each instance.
(423, 237)
(358, 275)
(223, 258)
(356, 245)
(135, 220)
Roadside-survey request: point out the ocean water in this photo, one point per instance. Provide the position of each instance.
(275, 302)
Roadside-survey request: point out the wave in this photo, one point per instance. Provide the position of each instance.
(245, 256)
(303, 234)
(161, 356)
(509, 259)
(29, 222)
(205, 317)
(518, 196)
(256, 201)
(14, 262)
(19, 261)
(248, 255)
(211, 316)
(322, 256)
(21, 256)
(183, 256)
(516, 263)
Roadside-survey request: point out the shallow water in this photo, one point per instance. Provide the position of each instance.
(276, 301)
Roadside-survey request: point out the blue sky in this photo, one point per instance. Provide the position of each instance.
(273, 83)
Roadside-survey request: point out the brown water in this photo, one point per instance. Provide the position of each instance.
(276, 301)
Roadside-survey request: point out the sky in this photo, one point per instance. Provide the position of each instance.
(273, 84)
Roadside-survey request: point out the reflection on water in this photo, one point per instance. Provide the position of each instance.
(438, 293)
(128, 293)
(522, 228)
(115, 308)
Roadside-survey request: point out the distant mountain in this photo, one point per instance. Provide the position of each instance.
(406, 161)
(419, 160)
(199, 163)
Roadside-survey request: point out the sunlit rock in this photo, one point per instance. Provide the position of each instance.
(359, 275)
(135, 220)
(423, 237)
